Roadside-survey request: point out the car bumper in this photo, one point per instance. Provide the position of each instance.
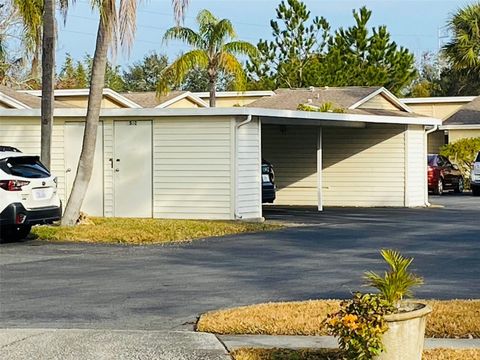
(16, 214)
(268, 194)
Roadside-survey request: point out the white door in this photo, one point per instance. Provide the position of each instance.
(133, 169)
(93, 202)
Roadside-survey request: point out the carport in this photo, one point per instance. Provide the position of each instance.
(372, 153)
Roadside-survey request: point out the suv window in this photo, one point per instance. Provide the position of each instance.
(24, 166)
(431, 160)
(478, 158)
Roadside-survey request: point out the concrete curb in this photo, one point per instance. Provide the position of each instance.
(233, 342)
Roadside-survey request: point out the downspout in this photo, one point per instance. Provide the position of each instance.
(238, 126)
(428, 132)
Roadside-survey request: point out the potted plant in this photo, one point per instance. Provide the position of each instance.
(383, 326)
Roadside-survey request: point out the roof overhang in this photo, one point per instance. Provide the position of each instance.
(311, 116)
(85, 92)
(460, 127)
(437, 100)
(8, 100)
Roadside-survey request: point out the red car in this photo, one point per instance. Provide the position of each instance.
(443, 175)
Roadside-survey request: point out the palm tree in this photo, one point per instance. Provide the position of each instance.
(464, 48)
(113, 24)
(211, 52)
(39, 24)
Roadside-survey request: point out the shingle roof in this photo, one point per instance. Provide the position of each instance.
(340, 97)
(149, 99)
(289, 99)
(34, 102)
(468, 114)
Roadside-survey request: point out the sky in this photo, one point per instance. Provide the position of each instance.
(416, 25)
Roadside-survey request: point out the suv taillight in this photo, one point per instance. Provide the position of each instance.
(13, 185)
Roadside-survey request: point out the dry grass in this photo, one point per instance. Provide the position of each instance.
(281, 354)
(145, 231)
(450, 319)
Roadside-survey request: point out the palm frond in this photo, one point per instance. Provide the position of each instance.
(127, 16)
(177, 71)
(396, 283)
(184, 34)
(179, 7)
(241, 48)
(223, 30)
(230, 65)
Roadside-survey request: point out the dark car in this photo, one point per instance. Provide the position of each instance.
(443, 175)
(268, 182)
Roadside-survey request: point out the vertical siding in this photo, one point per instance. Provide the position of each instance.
(248, 176)
(364, 167)
(292, 150)
(416, 166)
(192, 168)
(107, 168)
(24, 134)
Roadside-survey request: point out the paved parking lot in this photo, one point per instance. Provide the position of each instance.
(166, 287)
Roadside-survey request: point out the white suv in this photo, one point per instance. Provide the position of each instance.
(475, 179)
(28, 194)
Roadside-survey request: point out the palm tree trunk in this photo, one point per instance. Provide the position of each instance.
(85, 164)
(212, 88)
(48, 78)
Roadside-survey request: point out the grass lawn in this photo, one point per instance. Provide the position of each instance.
(145, 231)
(449, 319)
(279, 354)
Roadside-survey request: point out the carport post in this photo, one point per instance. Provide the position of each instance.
(319, 170)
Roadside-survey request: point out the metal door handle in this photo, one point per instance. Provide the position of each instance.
(117, 170)
(68, 170)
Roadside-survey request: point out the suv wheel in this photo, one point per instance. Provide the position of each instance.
(460, 186)
(15, 232)
(438, 188)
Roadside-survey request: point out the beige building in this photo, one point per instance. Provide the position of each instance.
(442, 108)
(155, 159)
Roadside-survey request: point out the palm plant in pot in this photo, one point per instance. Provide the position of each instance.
(383, 326)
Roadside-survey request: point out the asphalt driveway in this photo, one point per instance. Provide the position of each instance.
(166, 287)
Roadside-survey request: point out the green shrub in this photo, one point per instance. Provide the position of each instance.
(462, 153)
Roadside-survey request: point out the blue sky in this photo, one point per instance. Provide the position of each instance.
(413, 24)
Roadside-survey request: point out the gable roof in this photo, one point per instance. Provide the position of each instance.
(468, 114)
(349, 98)
(150, 99)
(22, 100)
(84, 92)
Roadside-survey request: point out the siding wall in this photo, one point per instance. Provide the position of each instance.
(292, 150)
(192, 159)
(248, 186)
(455, 135)
(24, 134)
(379, 102)
(437, 110)
(416, 166)
(364, 167)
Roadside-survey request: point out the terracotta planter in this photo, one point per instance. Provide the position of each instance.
(405, 335)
